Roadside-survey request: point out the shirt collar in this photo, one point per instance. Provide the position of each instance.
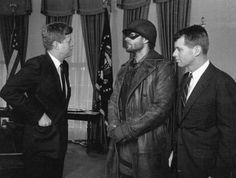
(198, 73)
(56, 62)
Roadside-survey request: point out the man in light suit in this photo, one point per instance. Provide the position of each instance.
(39, 99)
(206, 125)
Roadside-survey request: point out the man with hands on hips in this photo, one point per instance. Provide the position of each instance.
(39, 95)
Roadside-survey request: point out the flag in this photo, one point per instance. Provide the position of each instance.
(14, 62)
(105, 77)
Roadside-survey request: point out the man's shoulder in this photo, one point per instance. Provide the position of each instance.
(219, 73)
(36, 59)
(157, 62)
(152, 54)
(156, 58)
(219, 76)
(36, 62)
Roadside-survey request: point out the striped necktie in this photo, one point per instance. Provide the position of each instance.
(186, 81)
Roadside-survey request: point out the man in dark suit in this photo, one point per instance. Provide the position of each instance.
(39, 94)
(206, 106)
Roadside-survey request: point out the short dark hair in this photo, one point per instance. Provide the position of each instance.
(54, 32)
(194, 35)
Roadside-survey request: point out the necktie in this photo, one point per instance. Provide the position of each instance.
(63, 80)
(186, 81)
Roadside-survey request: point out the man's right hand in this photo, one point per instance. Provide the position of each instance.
(44, 121)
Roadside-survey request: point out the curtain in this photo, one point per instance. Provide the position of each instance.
(58, 7)
(93, 18)
(58, 10)
(6, 32)
(92, 27)
(131, 4)
(91, 7)
(65, 19)
(173, 15)
(21, 7)
(14, 22)
(81, 87)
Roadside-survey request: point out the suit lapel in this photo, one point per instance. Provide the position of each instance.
(55, 74)
(198, 89)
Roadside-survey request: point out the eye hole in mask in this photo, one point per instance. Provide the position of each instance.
(133, 35)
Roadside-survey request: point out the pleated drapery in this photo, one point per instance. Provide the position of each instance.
(14, 22)
(58, 7)
(92, 28)
(92, 20)
(172, 15)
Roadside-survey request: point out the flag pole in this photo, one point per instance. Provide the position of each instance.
(13, 7)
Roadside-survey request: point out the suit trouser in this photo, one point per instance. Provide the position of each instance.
(43, 167)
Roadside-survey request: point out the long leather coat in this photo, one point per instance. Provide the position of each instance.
(147, 111)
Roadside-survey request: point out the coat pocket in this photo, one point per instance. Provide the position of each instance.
(46, 139)
(205, 158)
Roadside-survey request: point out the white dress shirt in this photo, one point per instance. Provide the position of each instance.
(57, 64)
(196, 76)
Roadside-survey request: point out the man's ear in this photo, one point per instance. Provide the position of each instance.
(55, 44)
(145, 40)
(197, 50)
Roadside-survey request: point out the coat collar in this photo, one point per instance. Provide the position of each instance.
(147, 66)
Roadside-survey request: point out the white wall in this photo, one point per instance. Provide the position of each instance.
(220, 21)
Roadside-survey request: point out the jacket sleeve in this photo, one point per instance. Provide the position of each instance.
(19, 87)
(113, 117)
(161, 102)
(226, 123)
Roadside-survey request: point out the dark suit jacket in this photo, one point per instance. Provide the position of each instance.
(35, 90)
(206, 137)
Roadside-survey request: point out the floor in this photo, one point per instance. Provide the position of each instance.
(79, 164)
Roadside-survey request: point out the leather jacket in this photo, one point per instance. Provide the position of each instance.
(148, 107)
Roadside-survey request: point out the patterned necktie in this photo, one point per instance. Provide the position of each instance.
(187, 78)
(63, 80)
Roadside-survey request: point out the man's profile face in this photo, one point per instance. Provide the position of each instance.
(183, 54)
(65, 47)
